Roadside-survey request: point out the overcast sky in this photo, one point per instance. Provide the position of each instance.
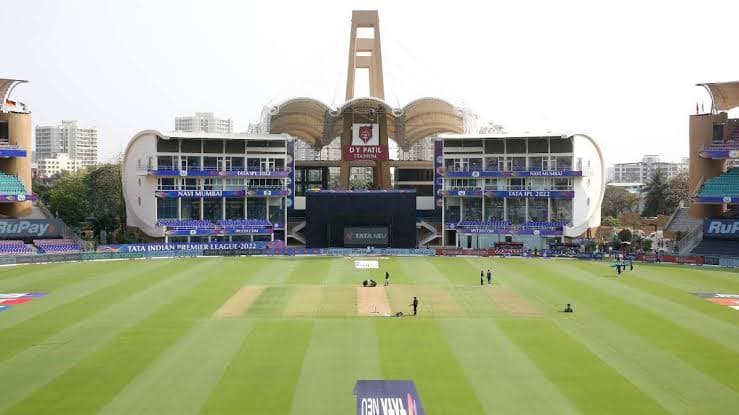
(623, 72)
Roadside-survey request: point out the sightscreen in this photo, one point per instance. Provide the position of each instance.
(360, 218)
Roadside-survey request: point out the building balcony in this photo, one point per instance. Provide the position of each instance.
(170, 192)
(474, 173)
(8, 150)
(721, 150)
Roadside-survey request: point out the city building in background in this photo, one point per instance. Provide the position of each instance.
(50, 167)
(15, 153)
(204, 122)
(66, 146)
(641, 171)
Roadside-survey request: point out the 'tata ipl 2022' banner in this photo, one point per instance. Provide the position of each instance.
(387, 397)
(438, 172)
(365, 144)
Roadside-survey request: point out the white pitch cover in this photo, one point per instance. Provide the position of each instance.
(365, 134)
(366, 264)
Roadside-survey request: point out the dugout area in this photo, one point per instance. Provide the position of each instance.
(360, 219)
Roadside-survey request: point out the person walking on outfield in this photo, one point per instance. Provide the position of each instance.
(387, 278)
(490, 277)
(414, 304)
(631, 265)
(482, 277)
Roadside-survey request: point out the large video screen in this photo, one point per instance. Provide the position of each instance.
(329, 215)
(366, 236)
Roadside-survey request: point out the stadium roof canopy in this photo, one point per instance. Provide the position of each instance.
(724, 95)
(316, 123)
(6, 87)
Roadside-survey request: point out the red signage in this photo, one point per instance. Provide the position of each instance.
(352, 152)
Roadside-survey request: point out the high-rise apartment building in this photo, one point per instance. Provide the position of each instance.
(204, 122)
(641, 171)
(79, 145)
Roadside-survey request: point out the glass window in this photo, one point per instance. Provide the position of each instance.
(538, 145)
(190, 208)
(538, 209)
(167, 162)
(516, 210)
(494, 146)
(537, 183)
(473, 209)
(451, 213)
(190, 163)
(491, 184)
(515, 146)
(212, 209)
(562, 184)
(475, 164)
(539, 163)
(190, 184)
(213, 146)
(252, 164)
(516, 184)
(494, 163)
(494, 209)
(234, 163)
(191, 146)
(562, 210)
(560, 145)
(166, 209)
(517, 163)
(166, 183)
(562, 162)
(256, 208)
(167, 146)
(314, 175)
(211, 163)
(235, 146)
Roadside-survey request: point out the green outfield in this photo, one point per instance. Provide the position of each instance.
(293, 335)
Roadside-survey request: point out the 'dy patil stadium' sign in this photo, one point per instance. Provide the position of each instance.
(387, 397)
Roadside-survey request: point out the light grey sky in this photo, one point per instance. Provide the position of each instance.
(623, 72)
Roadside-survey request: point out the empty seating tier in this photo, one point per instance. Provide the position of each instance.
(10, 185)
(724, 185)
(57, 246)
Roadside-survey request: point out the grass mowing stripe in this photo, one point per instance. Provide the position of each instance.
(677, 386)
(588, 382)
(262, 376)
(504, 379)
(189, 369)
(698, 351)
(11, 275)
(334, 361)
(50, 278)
(313, 271)
(719, 331)
(42, 326)
(72, 292)
(272, 302)
(35, 366)
(417, 349)
(692, 278)
(660, 288)
(274, 270)
(421, 270)
(92, 383)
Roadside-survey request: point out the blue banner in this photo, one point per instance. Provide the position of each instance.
(196, 194)
(554, 194)
(12, 152)
(217, 173)
(721, 229)
(268, 192)
(510, 231)
(219, 231)
(716, 199)
(529, 173)
(214, 246)
(720, 154)
(387, 397)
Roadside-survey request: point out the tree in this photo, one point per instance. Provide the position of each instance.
(656, 191)
(617, 200)
(677, 191)
(624, 235)
(610, 221)
(106, 196)
(69, 199)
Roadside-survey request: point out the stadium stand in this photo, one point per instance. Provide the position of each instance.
(717, 247)
(10, 185)
(245, 223)
(726, 184)
(57, 246)
(15, 247)
(186, 224)
(505, 224)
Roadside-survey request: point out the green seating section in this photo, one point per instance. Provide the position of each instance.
(10, 185)
(726, 184)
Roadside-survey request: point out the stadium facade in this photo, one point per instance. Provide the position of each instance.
(15, 153)
(470, 189)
